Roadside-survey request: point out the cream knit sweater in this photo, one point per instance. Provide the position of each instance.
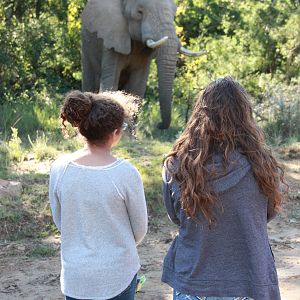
(101, 214)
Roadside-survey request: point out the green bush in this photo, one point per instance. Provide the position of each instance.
(279, 113)
(42, 251)
(40, 147)
(4, 156)
(14, 146)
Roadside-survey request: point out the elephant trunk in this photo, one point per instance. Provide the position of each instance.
(166, 67)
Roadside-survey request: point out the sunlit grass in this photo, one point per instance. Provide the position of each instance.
(29, 216)
(147, 155)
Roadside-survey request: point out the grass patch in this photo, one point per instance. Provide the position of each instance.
(4, 156)
(9, 213)
(14, 145)
(42, 251)
(147, 156)
(29, 216)
(290, 151)
(41, 148)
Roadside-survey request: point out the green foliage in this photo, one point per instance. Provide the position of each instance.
(8, 212)
(28, 215)
(40, 112)
(42, 251)
(279, 113)
(14, 145)
(41, 48)
(8, 119)
(4, 157)
(39, 59)
(253, 41)
(147, 155)
(253, 36)
(40, 147)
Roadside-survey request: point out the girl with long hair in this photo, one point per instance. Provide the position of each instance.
(221, 185)
(98, 203)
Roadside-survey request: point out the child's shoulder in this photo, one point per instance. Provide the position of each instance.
(66, 158)
(61, 161)
(127, 167)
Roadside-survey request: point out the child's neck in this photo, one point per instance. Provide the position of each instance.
(93, 155)
(103, 150)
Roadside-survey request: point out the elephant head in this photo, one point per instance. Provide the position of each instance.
(151, 22)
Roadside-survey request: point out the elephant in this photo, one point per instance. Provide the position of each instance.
(119, 40)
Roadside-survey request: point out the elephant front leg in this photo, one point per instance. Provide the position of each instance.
(91, 55)
(137, 81)
(111, 69)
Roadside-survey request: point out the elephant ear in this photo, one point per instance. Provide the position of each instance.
(105, 17)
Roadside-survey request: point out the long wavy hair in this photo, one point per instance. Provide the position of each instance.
(221, 122)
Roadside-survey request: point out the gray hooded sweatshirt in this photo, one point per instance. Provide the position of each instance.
(234, 257)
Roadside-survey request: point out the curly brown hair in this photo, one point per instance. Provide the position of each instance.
(221, 122)
(95, 115)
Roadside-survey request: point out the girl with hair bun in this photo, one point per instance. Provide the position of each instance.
(221, 185)
(98, 203)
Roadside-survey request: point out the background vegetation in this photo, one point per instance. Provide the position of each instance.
(257, 42)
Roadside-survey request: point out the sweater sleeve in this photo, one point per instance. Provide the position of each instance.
(167, 197)
(136, 206)
(53, 195)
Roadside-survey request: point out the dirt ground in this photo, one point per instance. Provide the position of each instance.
(23, 277)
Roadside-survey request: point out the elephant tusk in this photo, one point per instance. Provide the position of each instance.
(190, 53)
(152, 44)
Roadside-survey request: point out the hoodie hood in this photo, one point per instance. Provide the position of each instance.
(226, 175)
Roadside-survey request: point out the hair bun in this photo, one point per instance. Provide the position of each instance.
(77, 106)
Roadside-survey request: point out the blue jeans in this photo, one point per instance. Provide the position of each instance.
(127, 294)
(181, 296)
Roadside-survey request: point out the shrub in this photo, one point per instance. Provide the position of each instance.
(279, 113)
(42, 251)
(4, 155)
(40, 147)
(14, 145)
